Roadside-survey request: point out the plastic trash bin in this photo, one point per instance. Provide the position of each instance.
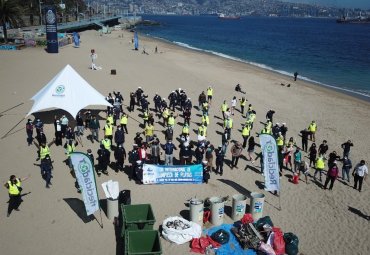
(112, 208)
(257, 203)
(137, 217)
(142, 242)
(196, 211)
(217, 210)
(239, 204)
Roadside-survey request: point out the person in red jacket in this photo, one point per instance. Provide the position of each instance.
(331, 176)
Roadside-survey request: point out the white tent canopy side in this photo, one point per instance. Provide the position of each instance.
(67, 91)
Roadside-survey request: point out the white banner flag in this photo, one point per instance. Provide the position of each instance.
(270, 162)
(84, 171)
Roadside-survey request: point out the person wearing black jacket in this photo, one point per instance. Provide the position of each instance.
(332, 158)
(119, 136)
(323, 148)
(270, 115)
(120, 156)
(346, 148)
(305, 133)
(132, 102)
(219, 160)
(157, 102)
(133, 157)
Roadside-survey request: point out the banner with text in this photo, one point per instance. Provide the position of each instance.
(51, 29)
(84, 171)
(157, 174)
(270, 162)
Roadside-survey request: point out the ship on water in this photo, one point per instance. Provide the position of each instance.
(223, 16)
(358, 20)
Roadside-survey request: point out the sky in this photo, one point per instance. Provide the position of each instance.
(363, 4)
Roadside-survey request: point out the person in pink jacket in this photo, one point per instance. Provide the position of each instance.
(331, 176)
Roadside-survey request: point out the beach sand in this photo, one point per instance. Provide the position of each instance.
(52, 221)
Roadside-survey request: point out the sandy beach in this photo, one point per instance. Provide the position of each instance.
(50, 220)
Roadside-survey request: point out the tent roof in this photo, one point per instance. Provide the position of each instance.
(67, 91)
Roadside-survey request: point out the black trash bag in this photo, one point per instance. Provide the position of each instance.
(221, 236)
(262, 221)
(291, 243)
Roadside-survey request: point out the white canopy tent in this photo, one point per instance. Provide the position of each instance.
(67, 91)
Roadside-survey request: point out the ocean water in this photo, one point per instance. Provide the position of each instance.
(320, 50)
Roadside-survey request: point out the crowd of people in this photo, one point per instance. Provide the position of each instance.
(148, 148)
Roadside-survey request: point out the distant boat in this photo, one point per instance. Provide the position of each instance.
(223, 16)
(358, 20)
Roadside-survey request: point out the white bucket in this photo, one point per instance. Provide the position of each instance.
(196, 211)
(112, 208)
(257, 203)
(217, 210)
(239, 204)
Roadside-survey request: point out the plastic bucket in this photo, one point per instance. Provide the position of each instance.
(196, 211)
(112, 208)
(217, 210)
(239, 204)
(257, 203)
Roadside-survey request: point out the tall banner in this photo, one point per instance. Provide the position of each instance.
(158, 174)
(84, 171)
(270, 162)
(136, 41)
(76, 40)
(51, 29)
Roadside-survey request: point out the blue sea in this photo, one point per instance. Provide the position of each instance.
(320, 50)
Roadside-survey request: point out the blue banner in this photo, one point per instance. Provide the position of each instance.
(158, 174)
(51, 29)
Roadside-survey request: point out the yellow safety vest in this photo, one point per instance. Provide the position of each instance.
(110, 119)
(246, 131)
(312, 127)
(146, 116)
(224, 107)
(205, 105)
(149, 130)
(205, 119)
(165, 113)
(280, 141)
(106, 143)
(202, 129)
(228, 123)
(185, 130)
(108, 129)
(70, 149)
(13, 188)
(252, 117)
(209, 91)
(44, 151)
(171, 121)
(124, 120)
(264, 131)
(242, 103)
(320, 164)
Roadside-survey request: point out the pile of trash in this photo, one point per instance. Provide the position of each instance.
(180, 231)
(264, 237)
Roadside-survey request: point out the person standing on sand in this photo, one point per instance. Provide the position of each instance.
(323, 148)
(236, 152)
(209, 94)
(312, 128)
(29, 131)
(224, 108)
(295, 75)
(359, 173)
(313, 154)
(346, 148)
(250, 150)
(14, 188)
(220, 155)
(304, 134)
(331, 176)
(319, 166)
(347, 165)
(233, 105)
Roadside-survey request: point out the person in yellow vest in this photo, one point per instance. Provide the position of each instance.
(43, 149)
(70, 147)
(280, 140)
(205, 107)
(107, 144)
(165, 115)
(245, 134)
(202, 130)
(224, 108)
(110, 119)
(312, 128)
(185, 130)
(205, 120)
(171, 120)
(108, 131)
(209, 94)
(243, 102)
(251, 117)
(228, 125)
(319, 165)
(123, 121)
(265, 130)
(145, 117)
(149, 132)
(14, 188)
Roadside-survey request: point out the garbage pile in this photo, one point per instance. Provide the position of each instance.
(180, 231)
(264, 237)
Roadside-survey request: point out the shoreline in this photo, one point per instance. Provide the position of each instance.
(256, 66)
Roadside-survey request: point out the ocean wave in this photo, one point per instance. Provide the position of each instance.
(362, 93)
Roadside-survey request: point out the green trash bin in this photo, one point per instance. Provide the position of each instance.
(137, 217)
(140, 242)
